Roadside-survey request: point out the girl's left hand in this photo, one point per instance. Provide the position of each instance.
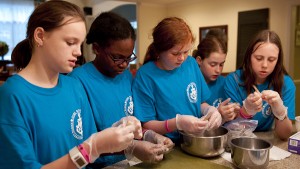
(131, 120)
(276, 103)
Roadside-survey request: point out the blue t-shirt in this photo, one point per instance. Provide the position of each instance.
(217, 89)
(161, 94)
(235, 90)
(110, 99)
(39, 125)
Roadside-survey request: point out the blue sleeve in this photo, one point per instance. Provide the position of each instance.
(233, 88)
(288, 96)
(15, 139)
(144, 107)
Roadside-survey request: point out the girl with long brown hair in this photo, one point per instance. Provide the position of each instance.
(263, 87)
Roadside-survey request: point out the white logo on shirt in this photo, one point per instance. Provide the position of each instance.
(128, 106)
(76, 125)
(191, 92)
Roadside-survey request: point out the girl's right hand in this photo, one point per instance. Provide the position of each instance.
(190, 124)
(253, 103)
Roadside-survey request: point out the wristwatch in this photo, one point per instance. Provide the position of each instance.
(77, 158)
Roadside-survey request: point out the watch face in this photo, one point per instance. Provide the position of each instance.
(79, 161)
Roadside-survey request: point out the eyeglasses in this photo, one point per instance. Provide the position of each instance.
(119, 61)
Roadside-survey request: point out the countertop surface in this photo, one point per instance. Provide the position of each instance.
(178, 159)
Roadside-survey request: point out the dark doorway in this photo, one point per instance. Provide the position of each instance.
(249, 23)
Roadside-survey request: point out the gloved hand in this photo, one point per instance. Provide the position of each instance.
(276, 103)
(229, 111)
(213, 115)
(190, 124)
(146, 151)
(113, 139)
(131, 120)
(156, 138)
(253, 103)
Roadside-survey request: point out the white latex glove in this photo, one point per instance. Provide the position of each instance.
(131, 120)
(214, 117)
(190, 124)
(156, 138)
(276, 103)
(146, 151)
(253, 103)
(113, 139)
(229, 111)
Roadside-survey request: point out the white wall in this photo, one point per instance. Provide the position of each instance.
(148, 15)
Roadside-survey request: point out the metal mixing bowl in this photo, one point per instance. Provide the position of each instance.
(250, 153)
(209, 144)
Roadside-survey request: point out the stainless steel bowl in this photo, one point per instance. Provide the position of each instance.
(209, 144)
(250, 153)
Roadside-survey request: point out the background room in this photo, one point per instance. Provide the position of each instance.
(280, 16)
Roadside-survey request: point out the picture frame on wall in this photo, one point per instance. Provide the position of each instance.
(204, 30)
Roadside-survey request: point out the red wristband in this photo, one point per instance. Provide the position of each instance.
(84, 153)
(167, 126)
(244, 115)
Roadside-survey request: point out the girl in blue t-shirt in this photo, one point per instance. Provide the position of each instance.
(263, 87)
(107, 82)
(45, 118)
(210, 56)
(169, 91)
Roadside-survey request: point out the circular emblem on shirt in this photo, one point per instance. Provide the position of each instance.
(191, 92)
(76, 125)
(128, 106)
